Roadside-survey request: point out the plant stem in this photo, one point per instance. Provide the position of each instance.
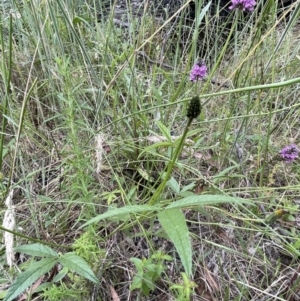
(171, 164)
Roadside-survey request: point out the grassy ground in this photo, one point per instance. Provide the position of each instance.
(92, 116)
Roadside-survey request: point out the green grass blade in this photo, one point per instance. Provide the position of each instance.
(78, 265)
(25, 279)
(155, 146)
(173, 222)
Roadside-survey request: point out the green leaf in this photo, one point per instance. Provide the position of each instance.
(202, 13)
(136, 261)
(173, 222)
(148, 283)
(2, 294)
(25, 279)
(173, 184)
(36, 250)
(150, 267)
(62, 274)
(121, 211)
(296, 244)
(164, 130)
(206, 199)
(77, 20)
(136, 283)
(78, 265)
(155, 146)
(225, 172)
(188, 187)
(42, 287)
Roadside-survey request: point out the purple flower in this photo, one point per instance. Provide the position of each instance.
(198, 72)
(289, 153)
(245, 5)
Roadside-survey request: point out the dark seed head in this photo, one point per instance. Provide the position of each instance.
(194, 107)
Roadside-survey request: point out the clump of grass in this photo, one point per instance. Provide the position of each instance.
(93, 134)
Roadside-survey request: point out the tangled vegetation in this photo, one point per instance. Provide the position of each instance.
(149, 156)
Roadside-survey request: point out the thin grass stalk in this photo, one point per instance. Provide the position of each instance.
(27, 94)
(79, 41)
(20, 126)
(291, 23)
(6, 75)
(199, 18)
(43, 242)
(56, 29)
(266, 149)
(146, 42)
(209, 96)
(217, 64)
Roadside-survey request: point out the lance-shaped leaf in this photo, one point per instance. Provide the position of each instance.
(36, 250)
(206, 199)
(25, 279)
(173, 222)
(120, 212)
